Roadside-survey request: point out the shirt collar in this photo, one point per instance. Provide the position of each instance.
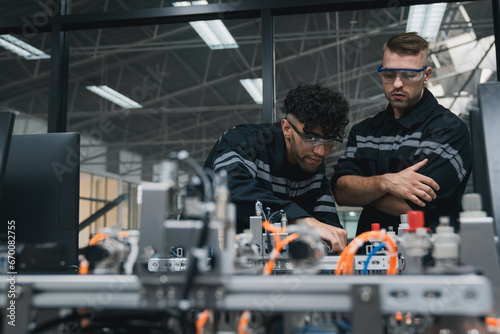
(418, 113)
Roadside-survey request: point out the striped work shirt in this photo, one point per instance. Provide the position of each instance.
(383, 144)
(255, 157)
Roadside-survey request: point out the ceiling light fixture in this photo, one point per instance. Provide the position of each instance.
(254, 88)
(426, 20)
(435, 60)
(465, 15)
(21, 48)
(486, 74)
(113, 96)
(213, 32)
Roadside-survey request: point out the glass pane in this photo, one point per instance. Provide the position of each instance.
(29, 8)
(99, 195)
(112, 194)
(85, 207)
(88, 6)
(344, 49)
(189, 94)
(130, 209)
(24, 79)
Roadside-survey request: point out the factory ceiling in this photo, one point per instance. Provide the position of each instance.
(190, 94)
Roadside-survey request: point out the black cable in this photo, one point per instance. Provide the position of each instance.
(192, 268)
(207, 185)
(117, 325)
(125, 319)
(269, 246)
(55, 322)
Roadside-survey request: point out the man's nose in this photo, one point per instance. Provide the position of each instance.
(398, 82)
(319, 149)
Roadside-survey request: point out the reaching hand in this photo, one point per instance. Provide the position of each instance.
(335, 236)
(410, 185)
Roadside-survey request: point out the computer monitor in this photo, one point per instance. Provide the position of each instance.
(485, 135)
(41, 194)
(6, 126)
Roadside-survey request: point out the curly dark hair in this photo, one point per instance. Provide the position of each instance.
(317, 106)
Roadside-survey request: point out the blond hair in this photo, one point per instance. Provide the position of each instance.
(407, 44)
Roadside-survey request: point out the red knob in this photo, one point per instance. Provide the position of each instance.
(415, 219)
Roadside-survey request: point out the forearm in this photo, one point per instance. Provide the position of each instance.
(391, 205)
(354, 190)
(406, 184)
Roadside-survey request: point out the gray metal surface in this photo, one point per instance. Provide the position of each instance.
(489, 99)
(368, 316)
(377, 263)
(466, 295)
(479, 251)
(17, 322)
(439, 295)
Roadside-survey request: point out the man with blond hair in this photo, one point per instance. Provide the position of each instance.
(414, 155)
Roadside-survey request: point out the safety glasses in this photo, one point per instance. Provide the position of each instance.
(407, 75)
(311, 140)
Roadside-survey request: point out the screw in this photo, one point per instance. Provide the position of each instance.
(219, 293)
(200, 294)
(366, 293)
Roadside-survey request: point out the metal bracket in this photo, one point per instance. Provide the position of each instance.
(367, 314)
(23, 302)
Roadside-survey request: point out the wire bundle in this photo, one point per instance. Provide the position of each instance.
(278, 245)
(493, 322)
(202, 319)
(268, 268)
(346, 262)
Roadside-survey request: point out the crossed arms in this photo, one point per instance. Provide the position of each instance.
(387, 192)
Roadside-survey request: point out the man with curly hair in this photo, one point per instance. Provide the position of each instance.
(282, 164)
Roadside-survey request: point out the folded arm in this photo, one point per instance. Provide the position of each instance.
(387, 192)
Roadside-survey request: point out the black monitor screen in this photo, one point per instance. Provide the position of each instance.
(41, 194)
(6, 125)
(485, 125)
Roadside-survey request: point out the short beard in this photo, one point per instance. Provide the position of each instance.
(301, 161)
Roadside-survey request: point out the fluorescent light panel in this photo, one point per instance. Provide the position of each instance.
(435, 60)
(213, 32)
(426, 20)
(189, 3)
(21, 48)
(113, 96)
(486, 74)
(254, 88)
(465, 15)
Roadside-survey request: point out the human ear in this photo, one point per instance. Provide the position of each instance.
(286, 128)
(427, 74)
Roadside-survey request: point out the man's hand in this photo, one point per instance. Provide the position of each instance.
(410, 185)
(336, 237)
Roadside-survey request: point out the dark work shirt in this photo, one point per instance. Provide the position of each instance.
(255, 157)
(383, 144)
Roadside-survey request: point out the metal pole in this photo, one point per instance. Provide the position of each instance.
(496, 29)
(268, 68)
(59, 65)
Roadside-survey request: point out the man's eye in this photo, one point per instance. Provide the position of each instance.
(408, 75)
(390, 75)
